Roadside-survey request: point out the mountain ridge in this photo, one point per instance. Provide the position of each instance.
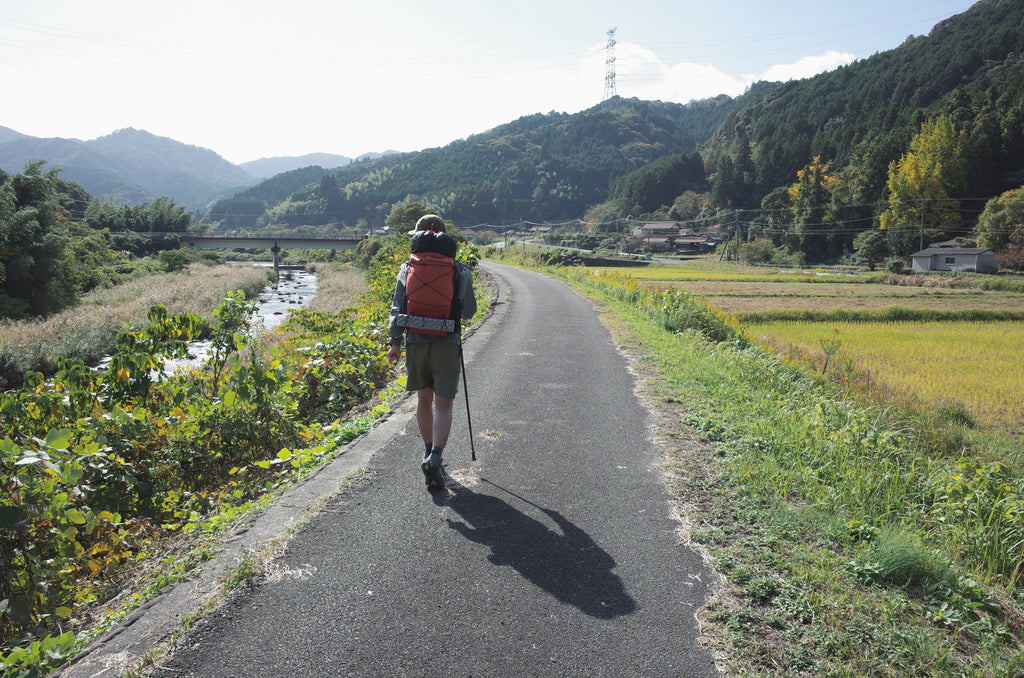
(265, 168)
(131, 166)
(538, 166)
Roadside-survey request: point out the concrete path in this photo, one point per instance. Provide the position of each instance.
(552, 555)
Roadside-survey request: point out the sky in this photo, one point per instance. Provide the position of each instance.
(251, 79)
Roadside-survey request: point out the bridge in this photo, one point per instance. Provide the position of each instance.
(274, 243)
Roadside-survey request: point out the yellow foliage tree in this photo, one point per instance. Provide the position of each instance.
(922, 182)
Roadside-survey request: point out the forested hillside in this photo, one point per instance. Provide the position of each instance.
(865, 114)
(847, 127)
(539, 167)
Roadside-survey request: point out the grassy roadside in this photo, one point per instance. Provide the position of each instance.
(852, 540)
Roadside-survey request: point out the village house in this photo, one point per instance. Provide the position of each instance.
(662, 229)
(668, 236)
(947, 256)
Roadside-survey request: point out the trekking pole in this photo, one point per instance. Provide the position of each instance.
(465, 390)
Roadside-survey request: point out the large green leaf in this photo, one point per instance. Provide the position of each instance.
(59, 439)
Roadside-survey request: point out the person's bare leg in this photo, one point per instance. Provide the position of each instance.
(442, 424)
(434, 418)
(425, 415)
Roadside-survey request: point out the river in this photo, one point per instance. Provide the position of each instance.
(294, 289)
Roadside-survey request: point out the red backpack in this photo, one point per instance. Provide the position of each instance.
(432, 302)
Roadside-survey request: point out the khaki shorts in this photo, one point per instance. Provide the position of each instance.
(435, 366)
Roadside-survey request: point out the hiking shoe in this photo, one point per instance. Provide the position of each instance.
(432, 471)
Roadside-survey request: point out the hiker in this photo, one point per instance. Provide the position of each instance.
(432, 357)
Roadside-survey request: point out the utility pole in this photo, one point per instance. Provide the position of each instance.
(922, 225)
(609, 66)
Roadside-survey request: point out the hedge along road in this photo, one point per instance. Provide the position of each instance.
(554, 554)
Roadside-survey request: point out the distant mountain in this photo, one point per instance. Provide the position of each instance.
(375, 156)
(131, 166)
(264, 168)
(542, 166)
(8, 134)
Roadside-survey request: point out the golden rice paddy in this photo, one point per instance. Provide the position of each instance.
(977, 364)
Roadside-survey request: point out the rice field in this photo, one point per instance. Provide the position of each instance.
(710, 270)
(756, 297)
(976, 364)
(743, 289)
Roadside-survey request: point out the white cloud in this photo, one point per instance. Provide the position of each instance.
(639, 72)
(807, 67)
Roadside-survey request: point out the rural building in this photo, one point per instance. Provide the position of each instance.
(656, 229)
(668, 236)
(945, 257)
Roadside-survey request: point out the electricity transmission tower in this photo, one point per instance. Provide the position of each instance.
(609, 66)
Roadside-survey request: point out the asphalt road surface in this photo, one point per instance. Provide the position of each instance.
(554, 554)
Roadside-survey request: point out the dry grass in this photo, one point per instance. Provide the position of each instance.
(88, 331)
(197, 289)
(338, 287)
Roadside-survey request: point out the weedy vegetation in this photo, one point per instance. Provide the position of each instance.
(89, 331)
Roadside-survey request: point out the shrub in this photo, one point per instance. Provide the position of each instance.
(902, 559)
(896, 266)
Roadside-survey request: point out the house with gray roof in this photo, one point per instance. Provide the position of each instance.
(942, 257)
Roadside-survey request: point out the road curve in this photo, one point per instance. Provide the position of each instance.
(554, 554)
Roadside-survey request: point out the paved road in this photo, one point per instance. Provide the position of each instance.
(552, 555)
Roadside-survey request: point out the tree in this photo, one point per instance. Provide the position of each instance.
(923, 179)
(814, 206)
(1002, 217)
(163, 216)
(871, 248)
(726, 189)
(33, 243)
(687, 205)
(755, 252)
(403, 218)
(1012, 256)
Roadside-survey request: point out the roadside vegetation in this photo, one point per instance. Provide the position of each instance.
(938, 340)
(856, 535)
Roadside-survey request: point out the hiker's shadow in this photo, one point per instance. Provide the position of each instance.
(569, 566)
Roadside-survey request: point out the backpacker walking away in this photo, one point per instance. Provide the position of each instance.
(433, 294)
